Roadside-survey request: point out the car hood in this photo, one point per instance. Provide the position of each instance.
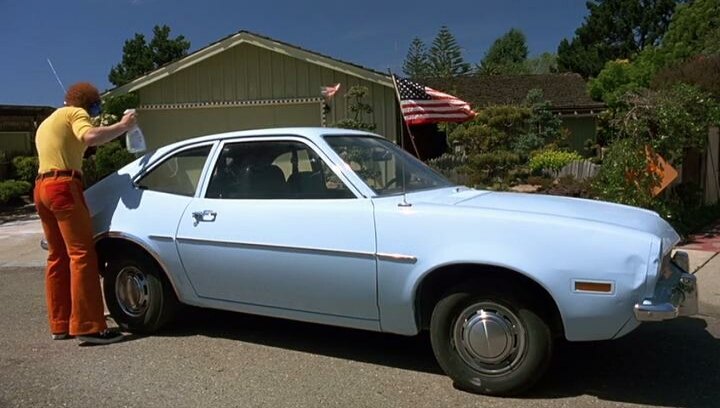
(580, 209)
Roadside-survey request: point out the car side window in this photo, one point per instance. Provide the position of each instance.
(179, 174)
(273, 170)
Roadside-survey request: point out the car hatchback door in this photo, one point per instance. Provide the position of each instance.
(277, 229)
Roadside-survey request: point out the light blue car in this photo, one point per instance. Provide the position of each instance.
(344, 228)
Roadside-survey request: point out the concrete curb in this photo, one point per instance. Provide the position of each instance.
(708, 276)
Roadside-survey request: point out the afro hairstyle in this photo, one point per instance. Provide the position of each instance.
(82, 95)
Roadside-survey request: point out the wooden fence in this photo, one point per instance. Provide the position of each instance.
(580, 169)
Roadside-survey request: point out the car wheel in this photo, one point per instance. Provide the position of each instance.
(138, 296)
(490, 342)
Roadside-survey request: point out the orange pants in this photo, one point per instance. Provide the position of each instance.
(72, 281)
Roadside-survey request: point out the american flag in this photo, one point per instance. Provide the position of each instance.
(329, 91)
(421, 105)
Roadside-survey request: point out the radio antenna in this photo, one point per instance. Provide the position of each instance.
(56, 76)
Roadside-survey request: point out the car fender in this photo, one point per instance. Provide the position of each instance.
(554, 252)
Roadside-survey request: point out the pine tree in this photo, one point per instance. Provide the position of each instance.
(615, 29)
(140, 58)
(136, 61)
(416, 65)
(445, 57)
(507, 55)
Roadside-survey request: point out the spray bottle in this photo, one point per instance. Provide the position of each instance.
(134, 138)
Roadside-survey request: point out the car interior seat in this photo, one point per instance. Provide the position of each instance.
(266, 181)
(306, 184)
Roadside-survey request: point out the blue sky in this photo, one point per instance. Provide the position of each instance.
(84, 38)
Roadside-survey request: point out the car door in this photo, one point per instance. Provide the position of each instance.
(277, 228)
(163, 191)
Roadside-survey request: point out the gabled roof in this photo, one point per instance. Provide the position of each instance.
(565, 92)
(260, 41)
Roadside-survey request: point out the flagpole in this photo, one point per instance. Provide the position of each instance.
(402, 139)
(404, 202)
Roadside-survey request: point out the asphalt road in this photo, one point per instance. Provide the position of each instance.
(218, 359)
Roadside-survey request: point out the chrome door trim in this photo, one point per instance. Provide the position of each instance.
(283, 248)
(400, 258)
(309, 250)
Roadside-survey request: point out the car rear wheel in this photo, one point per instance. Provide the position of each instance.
(489, 341)
(138, 296)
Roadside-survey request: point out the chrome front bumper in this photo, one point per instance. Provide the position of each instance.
(675, 294)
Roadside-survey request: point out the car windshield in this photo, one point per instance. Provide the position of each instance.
(381, 164)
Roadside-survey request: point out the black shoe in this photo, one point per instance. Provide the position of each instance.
(61, 336)
(103, 337)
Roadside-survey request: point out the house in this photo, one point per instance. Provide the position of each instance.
(248, 81)
(567, 94)
(17, 127)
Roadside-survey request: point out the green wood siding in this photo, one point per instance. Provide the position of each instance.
(16, 142)
(162, 127)
(581, 129)
(246, 72)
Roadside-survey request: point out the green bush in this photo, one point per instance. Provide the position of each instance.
(25, 168)
(11, 190)
(110, 158)
(452, 166)
(623, 177)
(552, 160)
(89, 171)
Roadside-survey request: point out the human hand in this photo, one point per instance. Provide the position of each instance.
(129, 119)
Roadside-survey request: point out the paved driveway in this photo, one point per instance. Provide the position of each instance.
(218, 359)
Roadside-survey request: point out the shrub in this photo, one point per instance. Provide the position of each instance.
(569, 186)
(110, 158)
(25, 168)
(11, 190)
(552, 160)
(452, 166)
(624, 178)
(4, 165)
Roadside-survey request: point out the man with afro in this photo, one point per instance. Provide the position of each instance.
(72, 279)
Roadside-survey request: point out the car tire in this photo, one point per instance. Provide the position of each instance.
(489, 341)
(137, 294)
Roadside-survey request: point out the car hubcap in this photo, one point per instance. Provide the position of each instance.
(489, 338)
(131, 291)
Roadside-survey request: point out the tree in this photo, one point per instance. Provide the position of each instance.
(140, 58)
(668, 122)
(445, 56)
(614, 29)
(543, 126)
(693, 31)
(701, 71)
(136, 61)
(359, 110)
(416, 65)
(544, 63)
(507, 55)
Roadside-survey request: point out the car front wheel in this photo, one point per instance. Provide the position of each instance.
(489, 341)
(137, 295)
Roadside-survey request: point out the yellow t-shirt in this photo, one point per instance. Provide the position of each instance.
(59, 139)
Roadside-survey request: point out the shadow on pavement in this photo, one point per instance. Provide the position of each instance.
(410, 353)
(668, 364)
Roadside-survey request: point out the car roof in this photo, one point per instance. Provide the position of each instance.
(309, 132)
(312, 133)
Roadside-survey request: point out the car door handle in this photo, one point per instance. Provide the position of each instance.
(203, 216)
